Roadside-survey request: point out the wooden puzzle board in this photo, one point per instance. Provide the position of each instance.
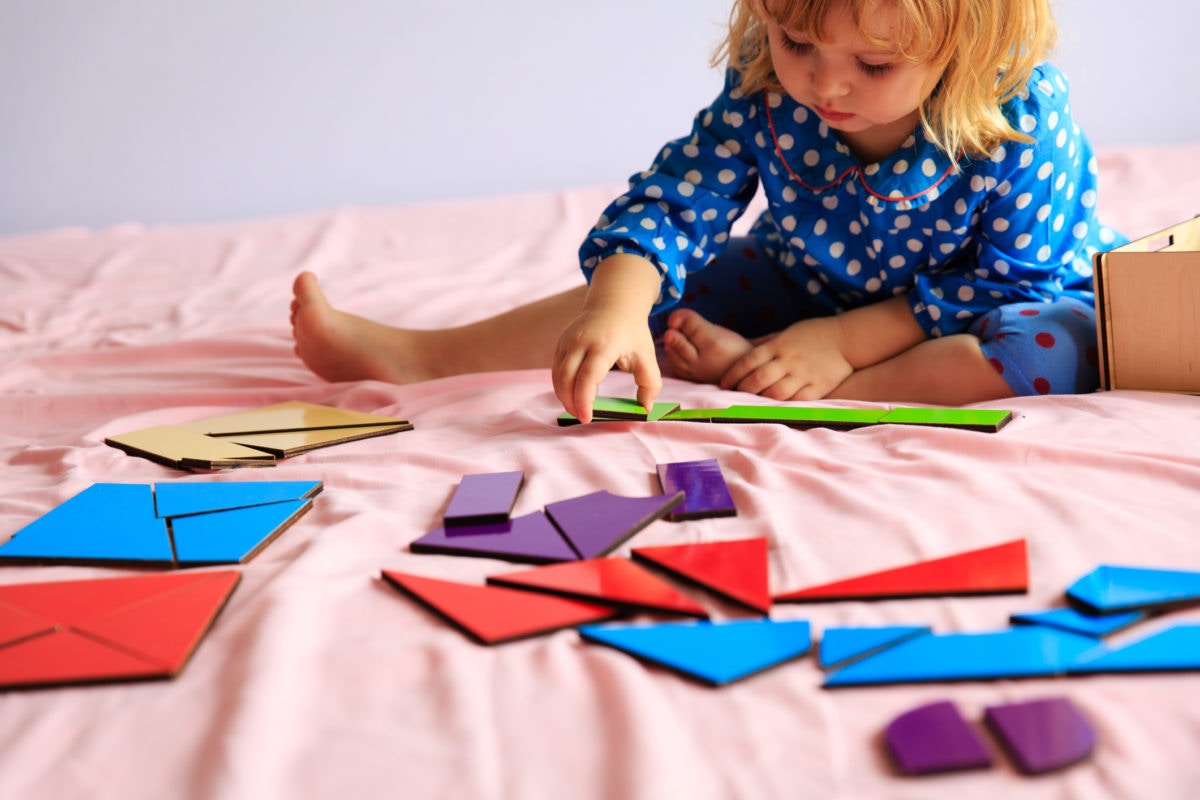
(1148, 296)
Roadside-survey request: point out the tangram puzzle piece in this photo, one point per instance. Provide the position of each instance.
(713, 652)
(1042, 735)
(843, 644)
(190, 525)
(1024, 652)
(1175, 648)
(178, 499)
(1110, 588)
(705, 493)
(494, 614)
(610, 409)
(594, 524)
(612, 581)
(692, 414)
(999, 569)
(483, 499)
(976, 419)
(529, 539)
(254, 438)
(935, 738)
(801, 417)
(105, 523)
(174, 447)
(110, 629)
(736, 570)
(1070, 619)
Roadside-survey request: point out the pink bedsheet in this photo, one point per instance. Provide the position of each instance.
(319, 681)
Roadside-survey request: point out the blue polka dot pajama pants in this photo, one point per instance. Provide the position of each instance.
(1038, 348)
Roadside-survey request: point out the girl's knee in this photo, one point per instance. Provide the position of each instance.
(1042, 348)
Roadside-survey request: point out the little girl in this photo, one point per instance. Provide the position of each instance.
(928, 234)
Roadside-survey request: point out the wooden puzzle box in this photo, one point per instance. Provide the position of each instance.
(300, 672)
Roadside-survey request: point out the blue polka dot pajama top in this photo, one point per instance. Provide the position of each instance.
(1000, 248)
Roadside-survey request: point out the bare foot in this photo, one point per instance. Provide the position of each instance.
(699, 350)
(344, 347)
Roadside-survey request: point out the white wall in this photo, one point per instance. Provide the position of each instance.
(188, 110)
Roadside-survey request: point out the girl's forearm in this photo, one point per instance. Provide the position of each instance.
(625, 281)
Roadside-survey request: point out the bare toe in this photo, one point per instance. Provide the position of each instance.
(700, 350)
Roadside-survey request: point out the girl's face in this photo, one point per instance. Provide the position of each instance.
(863, 90)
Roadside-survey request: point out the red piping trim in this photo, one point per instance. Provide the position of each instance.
(861, 178)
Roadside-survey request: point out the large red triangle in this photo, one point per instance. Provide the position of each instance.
(493, 614)
(736, 570)
(68, 602)
(1002, 568)
(68, 657)
(613, 581)
(167, 626)
(16, 624)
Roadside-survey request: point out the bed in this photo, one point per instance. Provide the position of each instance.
(319, 680)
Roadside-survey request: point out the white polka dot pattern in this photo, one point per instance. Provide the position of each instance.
(998, 230)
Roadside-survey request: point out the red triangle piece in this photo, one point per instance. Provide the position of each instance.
(737, 570)
(998, 569)
(67, 657)
(493, 614)
(69, 602)
(167, 626)
(615, 581)
(17, 624)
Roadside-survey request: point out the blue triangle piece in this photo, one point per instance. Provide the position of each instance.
(839, 645)
(178, 499)
(106, 522)
(1023, 652)
(1111, 588)
(233, 536)
(1173, 648)
(1069, 619)
(714, 652)
(530, 539)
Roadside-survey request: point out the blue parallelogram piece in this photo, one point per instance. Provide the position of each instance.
(716, 653)
(106, 522)
(1110, 588)
(1070, 619)
(1022, 652)
(842, 644)
(234, 535)
(179, 499)
(1175, 648)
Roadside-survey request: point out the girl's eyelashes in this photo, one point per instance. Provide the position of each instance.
(805, 48)
(796, 47)
(874, 70)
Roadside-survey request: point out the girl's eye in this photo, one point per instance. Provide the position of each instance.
(791, 44)
(874, 70)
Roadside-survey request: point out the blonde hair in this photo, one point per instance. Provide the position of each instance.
(986, 49)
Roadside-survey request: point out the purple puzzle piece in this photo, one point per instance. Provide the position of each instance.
(705, 491)
(935, 738)
(1042, 735)
(531, 539)
(596, 523)
(483, 499)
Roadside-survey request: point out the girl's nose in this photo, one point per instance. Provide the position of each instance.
(828, 81)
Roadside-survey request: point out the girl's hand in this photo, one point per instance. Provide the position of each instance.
(598, 339)
(802, 362)
(610, 330)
